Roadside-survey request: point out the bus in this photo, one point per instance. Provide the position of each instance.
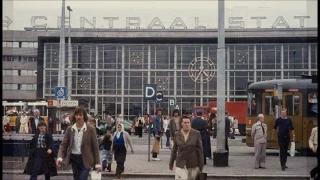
(299, 97)
(12, 109)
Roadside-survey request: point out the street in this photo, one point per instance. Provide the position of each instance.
(241, 160)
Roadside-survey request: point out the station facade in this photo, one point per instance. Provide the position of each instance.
(110, 67)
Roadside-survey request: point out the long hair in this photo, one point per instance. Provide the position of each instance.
(77, 111)
(158, 111)
(176, 111)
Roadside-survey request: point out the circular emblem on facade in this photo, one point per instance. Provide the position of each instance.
(202, 66)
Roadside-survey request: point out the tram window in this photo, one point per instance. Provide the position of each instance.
(312, 105)
(252, 104)
(269, 106)
(292, 105)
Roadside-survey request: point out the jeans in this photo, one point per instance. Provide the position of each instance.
(283, 145)
(80, 172)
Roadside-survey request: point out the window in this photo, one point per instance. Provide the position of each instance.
(15, 44)
(10, 72)
(312, 104)
(10, 86)
(252, 104)
(292, 105)
(28, 73)
(269, 106)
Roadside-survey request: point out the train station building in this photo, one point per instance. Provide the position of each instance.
(110, 66)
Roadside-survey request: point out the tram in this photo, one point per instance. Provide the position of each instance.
(12, 109)
(299, 97)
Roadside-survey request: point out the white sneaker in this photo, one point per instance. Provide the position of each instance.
(155, 159)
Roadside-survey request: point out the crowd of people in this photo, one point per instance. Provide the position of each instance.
(188, 139)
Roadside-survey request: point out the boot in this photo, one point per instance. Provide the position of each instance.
(109, 167)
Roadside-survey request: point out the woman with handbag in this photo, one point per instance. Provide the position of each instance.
(187, 151)
(41, 154)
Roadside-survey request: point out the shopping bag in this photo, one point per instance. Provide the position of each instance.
(292, 149)
(95, 175)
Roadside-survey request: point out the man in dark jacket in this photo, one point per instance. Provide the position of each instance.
(200, 124)
(157, 132)
(227, 130)
(33, 125)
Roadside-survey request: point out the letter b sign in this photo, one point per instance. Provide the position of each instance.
(150, 91)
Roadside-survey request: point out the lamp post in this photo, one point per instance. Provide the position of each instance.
(69, 57)
(221, 154)
(62, 54)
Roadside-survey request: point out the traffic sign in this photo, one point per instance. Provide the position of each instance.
(159, 96)
(60, 93)
(150, 91)
(171, 102)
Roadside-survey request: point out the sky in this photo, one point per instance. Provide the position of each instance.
(21, 12)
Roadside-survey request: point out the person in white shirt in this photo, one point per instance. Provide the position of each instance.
(80, 147)
(24, 124)
(166, 128)
(120, 119)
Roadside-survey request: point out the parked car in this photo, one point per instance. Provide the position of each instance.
(127, 126)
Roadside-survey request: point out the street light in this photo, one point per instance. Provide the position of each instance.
(69, 57)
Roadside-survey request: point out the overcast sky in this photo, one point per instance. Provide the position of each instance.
(21, 12)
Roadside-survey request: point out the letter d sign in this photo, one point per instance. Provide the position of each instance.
(150, 91)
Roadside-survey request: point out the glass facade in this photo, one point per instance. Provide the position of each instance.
(98, 71)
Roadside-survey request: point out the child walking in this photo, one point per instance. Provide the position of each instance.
(106, 152)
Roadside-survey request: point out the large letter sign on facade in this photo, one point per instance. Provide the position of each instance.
(150, 91)
(159, 96)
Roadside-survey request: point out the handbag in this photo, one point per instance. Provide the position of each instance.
(201, 176)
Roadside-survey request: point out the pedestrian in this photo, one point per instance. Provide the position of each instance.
(227, 131)
(6, 124)
(140, 121)
(106, 152)
(146, 122)
(34, 121)
(41, 154)
(259, 136)
(285, 124)
(121, 141)
(200, 125)
(313, 144)
(235, 126)
(208, 150)
(166, 127)
(93, 124)
(80, 146)
(157, 133)
(174, 123)
(24, 124)
(17, 128)
(120, 119)
(188, 145)
(109, 123)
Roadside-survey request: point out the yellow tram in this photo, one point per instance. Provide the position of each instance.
(299, 96)
(12, 109)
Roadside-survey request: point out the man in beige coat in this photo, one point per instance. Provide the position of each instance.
(313, 144)
(259, 135)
